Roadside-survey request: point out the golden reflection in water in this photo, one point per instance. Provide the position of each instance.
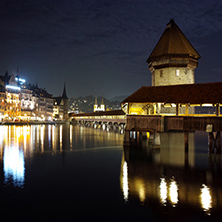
(206, 200)
(125, 181)
(140, 188)
(2, 132)
(42, 134)
(163, 191)
(70, 136)
(173, 192)
(142, 193)
(26, 135)
(53, 137)
(60, 137)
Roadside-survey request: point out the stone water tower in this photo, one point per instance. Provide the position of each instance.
(173, 60)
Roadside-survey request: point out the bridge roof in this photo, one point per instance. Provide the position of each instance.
(101, 113)
(189, 93)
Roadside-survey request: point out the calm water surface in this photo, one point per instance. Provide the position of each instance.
(68, 172)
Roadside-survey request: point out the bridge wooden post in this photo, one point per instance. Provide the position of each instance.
(217, 109)
(218, 142)
(127, 138)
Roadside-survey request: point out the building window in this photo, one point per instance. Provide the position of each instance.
(177, 72)
(161, 73)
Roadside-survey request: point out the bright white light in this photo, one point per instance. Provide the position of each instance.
(173, 192)
(206, 104)
(163, 190)
(206, 200)
(14, 166)
(32, 105)
(20, 80)
(13, 87)
(125, 182)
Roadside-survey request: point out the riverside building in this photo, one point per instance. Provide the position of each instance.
(23, 102)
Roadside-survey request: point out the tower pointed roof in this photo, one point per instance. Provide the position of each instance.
(173, 43)
(64, 95)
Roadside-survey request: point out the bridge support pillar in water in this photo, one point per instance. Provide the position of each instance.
(137, 138)
(214, 142)
(186, 141)
(126, 138)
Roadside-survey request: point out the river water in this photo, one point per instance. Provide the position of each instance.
(67, 172)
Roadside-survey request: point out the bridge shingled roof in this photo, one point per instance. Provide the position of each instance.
(189, 93)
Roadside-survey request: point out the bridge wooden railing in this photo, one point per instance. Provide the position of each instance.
(170, 123)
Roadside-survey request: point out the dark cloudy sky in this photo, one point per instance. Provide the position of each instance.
(102, 44)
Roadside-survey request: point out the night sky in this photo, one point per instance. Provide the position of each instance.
(101, 46)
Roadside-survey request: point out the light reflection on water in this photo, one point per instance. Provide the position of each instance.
(18, 143)
(173, 192)
(163, 191)
(14, 166)
(157, 179)
(174, 178)
(125, 181)
(206, 199)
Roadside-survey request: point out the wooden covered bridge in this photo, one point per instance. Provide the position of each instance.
(114, 119)
(174, 108)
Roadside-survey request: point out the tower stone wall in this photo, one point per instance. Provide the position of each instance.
(172, 76)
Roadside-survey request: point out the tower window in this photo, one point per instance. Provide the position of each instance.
(177, 72)
(161, 73)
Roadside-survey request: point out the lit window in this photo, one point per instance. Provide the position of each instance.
(177, 72)
(161, 73)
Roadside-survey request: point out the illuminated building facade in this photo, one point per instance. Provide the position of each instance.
(2, 100)
(13, 90)
(44, 103)
(22, 101)
(27, 103)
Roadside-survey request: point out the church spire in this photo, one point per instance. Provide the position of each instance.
(64, 95)
(6, 73)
